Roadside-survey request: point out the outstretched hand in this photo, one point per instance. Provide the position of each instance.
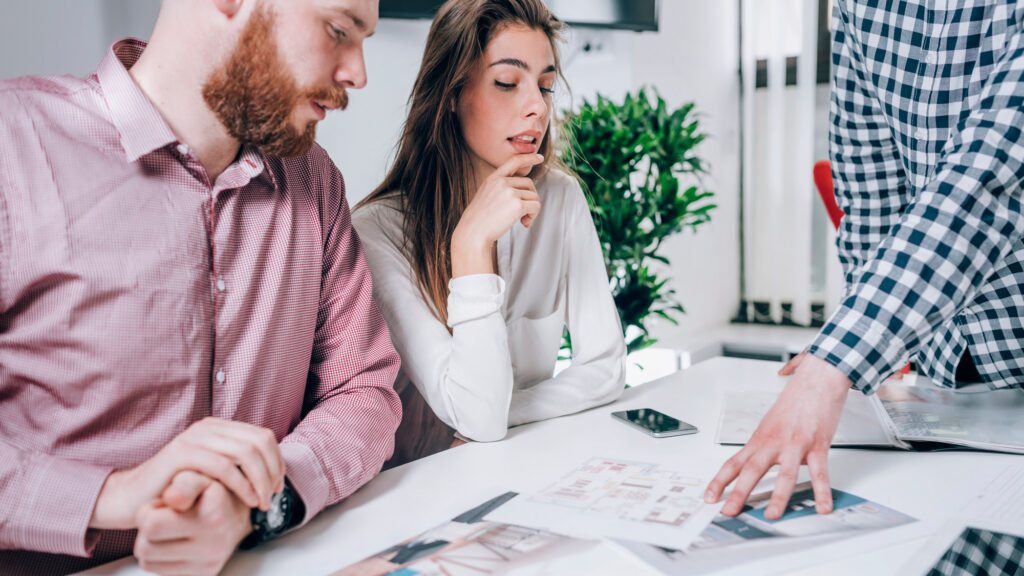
(797, 430)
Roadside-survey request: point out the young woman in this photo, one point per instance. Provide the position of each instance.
(482, 251)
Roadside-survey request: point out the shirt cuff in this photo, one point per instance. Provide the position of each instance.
(474, 297)
(56, 508)
(307, 477)
(860, 347)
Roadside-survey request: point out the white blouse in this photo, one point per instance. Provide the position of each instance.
(496, 367)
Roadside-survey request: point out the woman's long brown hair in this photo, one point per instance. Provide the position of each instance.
(432, 166)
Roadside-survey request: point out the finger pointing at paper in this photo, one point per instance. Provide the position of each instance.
(796, 431)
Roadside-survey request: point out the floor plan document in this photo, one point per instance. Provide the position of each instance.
(610, 498)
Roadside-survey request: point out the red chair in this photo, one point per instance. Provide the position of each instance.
(827, 191)
(823, 181)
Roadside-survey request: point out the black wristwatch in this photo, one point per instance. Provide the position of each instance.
(286, 510)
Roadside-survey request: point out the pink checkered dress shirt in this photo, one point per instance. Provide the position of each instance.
(137, 297)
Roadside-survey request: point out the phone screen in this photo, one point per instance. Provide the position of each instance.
(656, 422)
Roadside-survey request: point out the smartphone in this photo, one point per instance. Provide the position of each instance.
(657, 424)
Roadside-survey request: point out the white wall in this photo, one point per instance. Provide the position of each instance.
(695, 57)
(53, 37)
(361, 139)
(50, 37)
(128, 18)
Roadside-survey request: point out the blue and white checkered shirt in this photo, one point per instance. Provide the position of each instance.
(928, 160)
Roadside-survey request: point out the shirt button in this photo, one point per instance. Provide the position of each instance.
(221, 376)
(921, 134)
(221, 285)
(183, 149)
(930, 57)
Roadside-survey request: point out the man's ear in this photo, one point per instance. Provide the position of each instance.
(229, 8)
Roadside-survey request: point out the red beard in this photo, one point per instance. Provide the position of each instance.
(253, 94)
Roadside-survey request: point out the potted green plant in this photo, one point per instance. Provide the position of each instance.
(637, 161)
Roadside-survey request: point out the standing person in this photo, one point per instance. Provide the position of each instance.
(928, 162)
(188, 340)
(482, 250)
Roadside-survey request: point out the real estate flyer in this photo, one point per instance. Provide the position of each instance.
(611, 498)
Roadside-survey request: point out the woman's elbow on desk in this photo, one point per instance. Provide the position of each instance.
(485, 431)
(613, 386)
(612, 392)
(607, 394)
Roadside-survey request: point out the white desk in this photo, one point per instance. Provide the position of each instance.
(407, 500)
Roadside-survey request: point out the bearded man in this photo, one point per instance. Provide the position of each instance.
(190, 357)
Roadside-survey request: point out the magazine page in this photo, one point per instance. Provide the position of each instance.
(984, 420)
(885, 421)
(733, 544)
(467, 545)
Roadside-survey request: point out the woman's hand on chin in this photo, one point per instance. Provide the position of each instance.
(503, 199)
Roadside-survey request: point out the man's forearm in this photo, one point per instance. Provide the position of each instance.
(340, 445)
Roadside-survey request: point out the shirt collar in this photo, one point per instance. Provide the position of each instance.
(141, 126)
(254, 164)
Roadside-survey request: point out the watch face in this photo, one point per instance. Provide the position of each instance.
(275, 515)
